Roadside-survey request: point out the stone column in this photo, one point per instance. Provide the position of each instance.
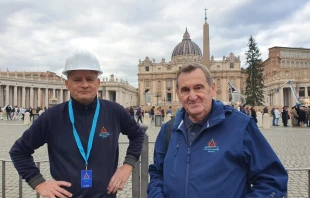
(1, 96)
(15, 96)
(31, 97)
(117, 97)
(68, 95)
(7, 95)
(281, 98)
(164, 95)
(46, 98)
(24, 97)
(39, 97)
(61, 96)
(107, 95)
(153, 99)
(54, 93)
(173, 91)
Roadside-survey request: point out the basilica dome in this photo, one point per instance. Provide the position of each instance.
(186, 47)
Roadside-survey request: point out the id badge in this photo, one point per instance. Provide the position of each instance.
(86, 178)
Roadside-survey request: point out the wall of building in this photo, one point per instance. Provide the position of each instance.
(287, 64)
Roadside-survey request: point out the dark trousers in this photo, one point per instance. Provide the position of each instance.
(8, 115)
(273, 120)
(284, 122)
(139, 118)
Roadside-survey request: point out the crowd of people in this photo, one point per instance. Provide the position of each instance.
(138, 114)
(299, 115)
(15, 113)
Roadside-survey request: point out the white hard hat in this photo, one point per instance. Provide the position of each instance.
(82, 60)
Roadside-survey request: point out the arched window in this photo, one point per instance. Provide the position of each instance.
(293, 64)
(147, 68)
(283, 64)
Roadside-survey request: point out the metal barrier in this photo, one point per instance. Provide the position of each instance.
(20, 182)
(139, 175)
(139, 178)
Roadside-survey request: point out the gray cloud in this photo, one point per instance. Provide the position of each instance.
(39, 35)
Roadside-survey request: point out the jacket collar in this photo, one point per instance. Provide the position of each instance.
(217, 115)
(82, 107)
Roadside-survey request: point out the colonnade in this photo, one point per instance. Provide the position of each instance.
(24, 96)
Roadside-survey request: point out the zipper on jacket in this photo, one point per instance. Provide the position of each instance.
(177, 148)
(86, 113)
(175, 157)
(187, 169)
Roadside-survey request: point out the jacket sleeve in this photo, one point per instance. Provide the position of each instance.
(155, 187)
(266, 173)
(22, 150)
(135, 135)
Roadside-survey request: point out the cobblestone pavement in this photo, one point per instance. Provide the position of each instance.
(291, 145)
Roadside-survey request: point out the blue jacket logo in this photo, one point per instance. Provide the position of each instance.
(211, 148)
(104, 133)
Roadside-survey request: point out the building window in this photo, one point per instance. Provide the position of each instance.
(147, 83)
(283, 64)
(301, 92)
(158, 69)
(147, 68)
(218, 67)
(308, 91)
(293, 64)
(231, 65)
(169, 83)
(169, 97)
(168, 69)
(301, 64)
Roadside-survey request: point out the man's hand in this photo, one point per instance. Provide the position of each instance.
(52, 188)
(119, 178)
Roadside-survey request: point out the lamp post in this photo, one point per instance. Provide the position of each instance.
(157, 95)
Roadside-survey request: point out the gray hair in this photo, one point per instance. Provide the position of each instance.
(192, 67)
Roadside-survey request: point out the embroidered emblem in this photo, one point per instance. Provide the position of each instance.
(104, 133)
(211, 148)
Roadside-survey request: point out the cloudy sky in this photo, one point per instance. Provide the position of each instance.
(40, 35)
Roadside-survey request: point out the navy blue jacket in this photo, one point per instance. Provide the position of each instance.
(54, 128)
(230, 158)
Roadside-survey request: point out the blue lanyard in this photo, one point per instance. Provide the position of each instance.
(91, 135)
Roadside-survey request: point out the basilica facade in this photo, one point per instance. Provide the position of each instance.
(43, 89)
(157, 81)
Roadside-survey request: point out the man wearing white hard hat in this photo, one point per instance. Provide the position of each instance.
(82, 137)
